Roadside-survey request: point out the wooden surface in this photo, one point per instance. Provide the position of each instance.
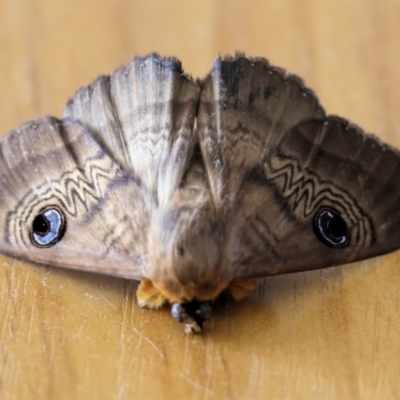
(330, 334)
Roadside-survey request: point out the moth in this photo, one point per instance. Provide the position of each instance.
(195, 187)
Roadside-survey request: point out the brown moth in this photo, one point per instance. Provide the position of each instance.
(196, 187)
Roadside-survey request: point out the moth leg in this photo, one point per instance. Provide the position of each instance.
(241, 288)
(149, 296)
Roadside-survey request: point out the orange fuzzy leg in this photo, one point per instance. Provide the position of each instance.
(149, 296)
(241, 288)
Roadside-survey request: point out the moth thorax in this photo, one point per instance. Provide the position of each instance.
(187, 255)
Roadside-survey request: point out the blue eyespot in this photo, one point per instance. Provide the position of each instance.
(331, 229)
(48, 227)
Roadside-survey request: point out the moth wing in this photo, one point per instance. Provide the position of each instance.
(104, 211)
(329, 196)
(144, 113)
(246, 106)
(308, 191)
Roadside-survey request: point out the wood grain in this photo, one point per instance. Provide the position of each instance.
(329, 334)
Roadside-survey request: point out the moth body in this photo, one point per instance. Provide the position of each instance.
(194, 187)
(187, 248)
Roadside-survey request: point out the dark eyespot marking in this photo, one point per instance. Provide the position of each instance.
(331, 229)
(48, 227)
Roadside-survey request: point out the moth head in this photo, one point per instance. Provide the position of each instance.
(187, 259)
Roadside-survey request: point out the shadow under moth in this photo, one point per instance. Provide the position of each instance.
(195, 187)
